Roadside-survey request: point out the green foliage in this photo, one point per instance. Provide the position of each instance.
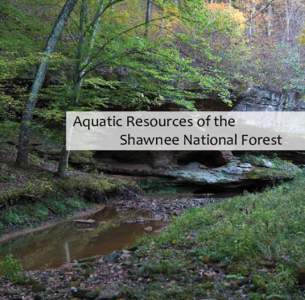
(17, 28)
(177, 63)
(290, 68)
(279, 69)
(29, 214)
(20, 39)
(154, 73)
(59, 197)
(11, 269)
(8, 130)
(62, 207)
(164, 267)
(33, 189)
(8, 107)
(255, 239)
(88, 185)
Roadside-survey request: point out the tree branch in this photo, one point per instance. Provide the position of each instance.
(86, 71)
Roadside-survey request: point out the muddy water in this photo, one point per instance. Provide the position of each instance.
(68, 241)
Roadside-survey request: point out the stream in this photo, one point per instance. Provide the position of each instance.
(107, 230)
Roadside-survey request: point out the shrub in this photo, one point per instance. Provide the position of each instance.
(11, 269)
(88, 184)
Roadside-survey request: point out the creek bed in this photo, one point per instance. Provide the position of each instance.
(109, 229)
(68, 241)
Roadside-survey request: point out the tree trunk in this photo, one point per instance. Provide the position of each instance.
(77, 81)
(252, 15)
(25, 129)
(288, 16)
(63, 163)
(251, 21)
(269, 21)
(79, 70)
(148, 16)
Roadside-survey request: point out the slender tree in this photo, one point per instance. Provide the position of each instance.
(25, 129)
(148, 15)
(251, 29)
(288, 19)
(86, 43)
(269, 20)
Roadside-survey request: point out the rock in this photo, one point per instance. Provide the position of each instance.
(109, 292)
(211, 104)
(235, 170)
(195, 174)
(259, 99)
(246, 166)
(148, 229)
(114, 257)
(85, 221)
(125, 254)
(232, 175)
(162, 159)
(266, 163)
(226, 157)
(207, 169)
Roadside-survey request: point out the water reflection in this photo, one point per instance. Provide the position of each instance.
(70, 241)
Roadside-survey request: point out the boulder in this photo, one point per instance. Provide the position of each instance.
(85, 222)
(148, 229)
(234, 174)
(260, 99)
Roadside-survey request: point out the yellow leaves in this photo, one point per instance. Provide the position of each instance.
(171, 21)
(171, 11)
(225, 10)
(218, 6)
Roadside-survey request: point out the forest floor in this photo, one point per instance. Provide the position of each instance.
(248, 247)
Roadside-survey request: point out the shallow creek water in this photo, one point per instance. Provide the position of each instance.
(69, 240)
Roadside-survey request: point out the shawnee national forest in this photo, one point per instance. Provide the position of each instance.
(179, 225)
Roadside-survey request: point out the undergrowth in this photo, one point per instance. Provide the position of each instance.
(33, 213)
(250, 246)
(11, 269)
